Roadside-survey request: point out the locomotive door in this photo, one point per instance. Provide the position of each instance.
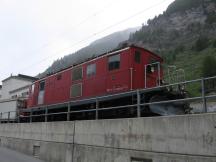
(114, 79)
(152, 74)
(41, 92)
(137, 70)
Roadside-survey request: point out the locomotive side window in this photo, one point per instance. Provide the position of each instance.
(42, 85)
(152, 66)
(76, 90)
(77, 73)
(58, 77)
(41, 92)
(137, 57)
(91, 70)
(114, 62)
(32, 88)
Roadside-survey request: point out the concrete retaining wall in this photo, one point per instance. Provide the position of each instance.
(6, 106)
(190, 138)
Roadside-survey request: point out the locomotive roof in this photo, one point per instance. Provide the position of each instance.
(101, 55)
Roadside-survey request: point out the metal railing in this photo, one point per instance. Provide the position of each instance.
(96, 100)
(10, 116)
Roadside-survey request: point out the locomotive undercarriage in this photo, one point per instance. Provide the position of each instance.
(134, 104)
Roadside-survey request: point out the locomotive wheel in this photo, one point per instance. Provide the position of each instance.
(172, 108)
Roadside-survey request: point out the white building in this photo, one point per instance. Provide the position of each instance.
(16, 86)
(13, 92)
(0, 91)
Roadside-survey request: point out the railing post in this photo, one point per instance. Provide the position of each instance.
(8, 116)
(131, 78)
(96, 106)
(1, 117)
(138, 104)
(46, 112)
(145, 77)
(30, 120)
(18, 116)
(203, 95)
(159, 71)
(68, 112)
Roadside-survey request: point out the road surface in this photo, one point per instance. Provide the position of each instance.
(7, 155)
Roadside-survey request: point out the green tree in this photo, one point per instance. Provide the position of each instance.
(202, 43)
(209, 70)
(183, 5)
(211, 18)
(179, 49)
(214, 43)
(209, 66)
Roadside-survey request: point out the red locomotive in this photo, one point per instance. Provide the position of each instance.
(123, 70)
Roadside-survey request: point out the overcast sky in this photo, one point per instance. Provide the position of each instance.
(34, 33)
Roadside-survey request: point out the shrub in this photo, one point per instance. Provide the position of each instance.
(201, 44)
(209, 66)
(211, 18)
(209, 70)
(179, 49)
(214, 43)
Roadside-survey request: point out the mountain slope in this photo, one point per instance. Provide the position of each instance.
(183, 35)
(95, 48)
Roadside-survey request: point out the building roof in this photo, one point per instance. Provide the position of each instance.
(22, 77)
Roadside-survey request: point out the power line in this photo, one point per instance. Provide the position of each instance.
(99, 32)
(74, 26)
(82, 22)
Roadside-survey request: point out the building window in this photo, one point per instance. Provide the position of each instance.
(91, 70)
(77, 73)
(76, 90)
(24, 94)
(114, 62)
(137, 57)
(140, 160)
(14, 96)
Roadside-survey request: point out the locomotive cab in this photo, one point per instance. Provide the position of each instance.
(147, 70)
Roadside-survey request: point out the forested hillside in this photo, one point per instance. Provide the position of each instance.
(95, 48)
(184, 35)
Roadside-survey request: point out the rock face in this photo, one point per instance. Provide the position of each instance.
(178, 27)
